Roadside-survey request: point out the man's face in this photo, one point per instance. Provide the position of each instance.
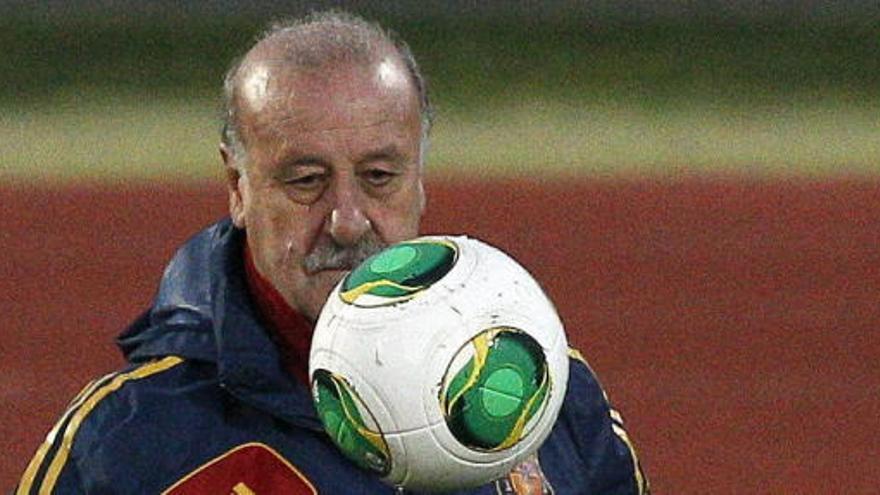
(332, 174)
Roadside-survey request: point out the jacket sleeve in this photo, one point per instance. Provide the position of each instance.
(62, 463)
(51, 470)
(67, 482)
(607, 458)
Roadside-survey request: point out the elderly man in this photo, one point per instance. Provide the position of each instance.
(323, 145)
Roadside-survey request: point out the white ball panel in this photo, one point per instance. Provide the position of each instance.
(397, 356)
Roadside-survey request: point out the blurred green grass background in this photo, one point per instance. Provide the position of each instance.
(114, 97)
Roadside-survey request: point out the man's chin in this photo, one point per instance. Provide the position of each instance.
(334, 274)
(327, 279)
(322, 284)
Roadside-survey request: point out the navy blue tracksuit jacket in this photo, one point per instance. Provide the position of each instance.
(205, 407)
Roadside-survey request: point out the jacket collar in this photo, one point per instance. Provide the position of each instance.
(203, 311)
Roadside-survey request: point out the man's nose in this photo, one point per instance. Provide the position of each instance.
(348, 220)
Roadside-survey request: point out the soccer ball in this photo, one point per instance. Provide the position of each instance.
(438, 364)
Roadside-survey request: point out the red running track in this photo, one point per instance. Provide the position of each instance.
(735, 322)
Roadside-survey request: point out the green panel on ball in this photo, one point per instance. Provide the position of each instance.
(502, 393)
(340, 410)
(488, 402)
(400, 271)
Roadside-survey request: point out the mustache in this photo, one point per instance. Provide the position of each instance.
(332, 256)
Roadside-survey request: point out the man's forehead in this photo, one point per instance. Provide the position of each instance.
(255, 87)
(270, 88)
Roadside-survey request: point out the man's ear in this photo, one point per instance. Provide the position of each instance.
(234, 184)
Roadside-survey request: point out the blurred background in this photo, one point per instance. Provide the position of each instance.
(696, 183)
(762, 87)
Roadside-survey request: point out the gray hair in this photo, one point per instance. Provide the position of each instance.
(314, 41)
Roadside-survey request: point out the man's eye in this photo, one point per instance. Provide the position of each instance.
(378, 177)
(308, 181)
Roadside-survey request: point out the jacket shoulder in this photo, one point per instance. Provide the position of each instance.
(103, 406)
(590, 432)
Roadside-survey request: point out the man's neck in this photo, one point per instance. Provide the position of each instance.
(290, 330)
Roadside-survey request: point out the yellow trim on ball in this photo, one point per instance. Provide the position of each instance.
(516, 433)
(373, 437)
(351, 295)
(481, 354)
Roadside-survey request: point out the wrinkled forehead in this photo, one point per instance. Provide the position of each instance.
(271, 88)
